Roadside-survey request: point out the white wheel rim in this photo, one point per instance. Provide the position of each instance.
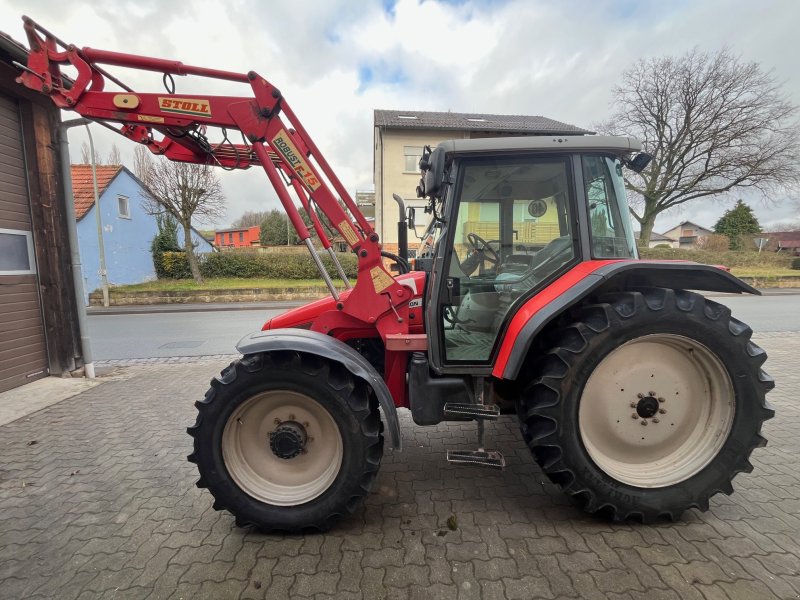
(694, 401)
(255, 467)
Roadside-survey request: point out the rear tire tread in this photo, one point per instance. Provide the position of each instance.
(540, 405)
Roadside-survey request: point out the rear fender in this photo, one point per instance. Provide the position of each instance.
(593, 276)
(312, 342)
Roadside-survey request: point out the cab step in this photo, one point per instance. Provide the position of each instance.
(471, 411)
(480, 458)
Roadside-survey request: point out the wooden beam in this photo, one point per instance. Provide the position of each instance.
(49, 224)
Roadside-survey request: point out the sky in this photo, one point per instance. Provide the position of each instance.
(335, 61)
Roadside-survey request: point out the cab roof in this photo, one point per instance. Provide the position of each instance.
(572, 143)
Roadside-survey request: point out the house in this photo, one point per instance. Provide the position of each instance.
(400, 135)
(238, 237)
(656, 239)
(785, 242)
(127, 229)
(38, 320)
(688, 235)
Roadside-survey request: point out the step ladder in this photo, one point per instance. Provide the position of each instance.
(480, 413)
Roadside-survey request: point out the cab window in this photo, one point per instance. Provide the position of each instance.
(511, 232)
(611, 234)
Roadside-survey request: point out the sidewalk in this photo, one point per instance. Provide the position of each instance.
(97, 500)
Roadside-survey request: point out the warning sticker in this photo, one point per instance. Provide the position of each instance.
(348, 233)
(380, 279)
(150, 119)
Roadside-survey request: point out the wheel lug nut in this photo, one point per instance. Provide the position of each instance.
(662, 411)
(640, 395)
(305, 424)
(277, 421)
(291, 417)
(310, 439)
(633, 404)
(661, 400)
(644, 422)
(655, 420)
(634, 416)
(651, 393)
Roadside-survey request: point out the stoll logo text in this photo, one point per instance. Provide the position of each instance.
(185, 106)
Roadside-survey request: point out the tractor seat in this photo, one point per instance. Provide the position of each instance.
(469, 345)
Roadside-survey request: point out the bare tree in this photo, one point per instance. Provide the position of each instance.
(783, 226)
(184, 190)
(86, 155)
(251, 218)
(712, 123)
(114, 156)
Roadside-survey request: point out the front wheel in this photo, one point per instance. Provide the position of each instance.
(287, 441)
(648, 404)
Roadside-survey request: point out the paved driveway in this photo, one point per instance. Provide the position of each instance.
(97, 500)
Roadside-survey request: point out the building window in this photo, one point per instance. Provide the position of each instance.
(230, 238)
(241, 237)
(412, 156)
(16, 252)
(124, 207)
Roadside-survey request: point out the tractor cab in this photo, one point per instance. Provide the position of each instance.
(515, 214)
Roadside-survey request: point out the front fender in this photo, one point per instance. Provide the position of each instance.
(312, 342)
(591, 276)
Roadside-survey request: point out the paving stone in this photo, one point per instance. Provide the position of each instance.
(318, 583)
(527, 587)
(131, 523)
(402, 577)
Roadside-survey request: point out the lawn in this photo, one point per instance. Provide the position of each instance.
(764, 271)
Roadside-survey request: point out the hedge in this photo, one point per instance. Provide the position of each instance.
(729, 258)
(250, 265)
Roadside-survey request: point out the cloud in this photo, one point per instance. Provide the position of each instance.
(335, 61)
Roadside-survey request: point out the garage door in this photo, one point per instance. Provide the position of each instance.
(23, 352)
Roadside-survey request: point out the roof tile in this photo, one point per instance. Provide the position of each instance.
(83, 188)
(415, 119)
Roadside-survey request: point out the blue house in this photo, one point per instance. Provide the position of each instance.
(127, 228)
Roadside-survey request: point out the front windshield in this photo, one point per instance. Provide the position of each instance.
(608, 209)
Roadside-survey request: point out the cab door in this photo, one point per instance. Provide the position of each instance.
(508, 229)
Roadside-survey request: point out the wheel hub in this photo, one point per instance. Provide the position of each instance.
(647, 407)
(288, 440)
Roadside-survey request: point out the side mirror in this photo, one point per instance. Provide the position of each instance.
(432, 166)
(410, 218)
(639, 162)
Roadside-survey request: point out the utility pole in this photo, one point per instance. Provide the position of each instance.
(101, 249)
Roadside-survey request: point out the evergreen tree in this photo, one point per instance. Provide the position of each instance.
(737, 223)
(274, 229)
(276, 226)
(166, 240)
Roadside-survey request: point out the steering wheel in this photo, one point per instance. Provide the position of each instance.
(479, 244)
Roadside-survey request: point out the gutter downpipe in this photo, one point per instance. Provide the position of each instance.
(72, 236)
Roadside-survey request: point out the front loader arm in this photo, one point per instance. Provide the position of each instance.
(175, 126)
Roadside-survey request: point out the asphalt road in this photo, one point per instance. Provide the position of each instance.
(185, 333)
(172, 334)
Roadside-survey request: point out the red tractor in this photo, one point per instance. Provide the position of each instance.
(641, 399)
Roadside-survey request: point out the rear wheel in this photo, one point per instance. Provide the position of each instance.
(287, 441)
(648, 404)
